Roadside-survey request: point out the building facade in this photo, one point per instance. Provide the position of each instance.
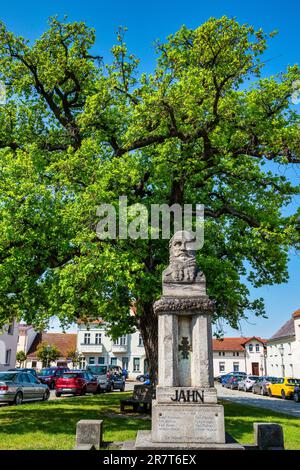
(284, 349)
(8, 345)
(239, 355)
(26, 337)
(65, 342)
(97, 348)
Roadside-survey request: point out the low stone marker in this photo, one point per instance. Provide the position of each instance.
(89, 434)
(268, 436)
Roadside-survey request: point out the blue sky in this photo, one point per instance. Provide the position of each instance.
(148, 21)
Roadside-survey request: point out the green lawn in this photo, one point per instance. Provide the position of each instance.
(52, 424)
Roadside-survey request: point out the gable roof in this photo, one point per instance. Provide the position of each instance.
(296, 314)
(63, 341)
(288, 329)
(233, 344)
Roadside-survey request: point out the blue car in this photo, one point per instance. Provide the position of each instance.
(226, 377)
(297, 393)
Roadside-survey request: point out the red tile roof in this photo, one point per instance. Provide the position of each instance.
(63, 341)
(296, 314)
(233, 344)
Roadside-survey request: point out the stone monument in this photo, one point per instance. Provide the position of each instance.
(185, 413)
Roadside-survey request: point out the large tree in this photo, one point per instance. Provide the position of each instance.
(204, 127)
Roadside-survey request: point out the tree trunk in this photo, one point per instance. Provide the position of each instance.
(148, 326)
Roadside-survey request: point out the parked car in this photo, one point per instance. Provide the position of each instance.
(142, 377)
(16, 387)
(77, 383)
(226, 377)
(283, 387)
(50, 375)
(261, 386)
(233, 382)
(24, 369)
(247, 383)
(109, 377)
(297, 393)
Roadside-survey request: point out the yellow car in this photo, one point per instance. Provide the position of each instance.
(283, 387)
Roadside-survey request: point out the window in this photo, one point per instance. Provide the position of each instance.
(87, 338)
(222, 353)
(250, 347)
(98, 338)
(236, 367)
(257, 348)
(101, 360)
(140, 343)
(125, 363)
(236, 353)
(10, 330)
(136, 364)
(221, 366)
(33, 364)
(24, 378)
(122, 341)
(8, 356)
(113, 361)
(91, 359)
(82, 362)
(33, 379)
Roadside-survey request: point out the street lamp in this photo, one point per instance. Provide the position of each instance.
(281, 352)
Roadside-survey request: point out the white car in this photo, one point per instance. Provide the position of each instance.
(247, 384)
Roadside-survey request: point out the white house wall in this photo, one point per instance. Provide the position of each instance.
(107, 351)
(8, 342)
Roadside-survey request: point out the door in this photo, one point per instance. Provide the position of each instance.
(39, 390)
(27, 388)
(255, 368)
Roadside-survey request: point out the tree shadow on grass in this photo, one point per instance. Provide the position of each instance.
(60, 416)
(239, 421)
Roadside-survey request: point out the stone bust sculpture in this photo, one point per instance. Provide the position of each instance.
(182, 267)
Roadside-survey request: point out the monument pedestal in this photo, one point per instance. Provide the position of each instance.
(185, 414)
(187, 422)
(144, 442)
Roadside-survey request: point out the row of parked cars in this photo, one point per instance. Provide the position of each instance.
(23, 384)
(284, 387)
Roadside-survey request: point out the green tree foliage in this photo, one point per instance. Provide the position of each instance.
(47, 353)
(204, 127)
(21, 357)
(74, 355)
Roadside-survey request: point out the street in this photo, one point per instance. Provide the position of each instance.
(248, 398)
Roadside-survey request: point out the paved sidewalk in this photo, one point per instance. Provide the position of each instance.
(248, 398)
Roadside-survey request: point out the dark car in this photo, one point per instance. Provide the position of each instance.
(142, 377)
(261, 386)
(49, 375)
(233, 382)
(16, 387)
(226, 377)
(297, 393)
(24, 369)
(77, 383)
(109, 377)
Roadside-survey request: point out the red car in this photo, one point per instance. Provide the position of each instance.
(49, 375)
(77, 383)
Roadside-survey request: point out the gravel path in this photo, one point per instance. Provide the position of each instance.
(248, 398)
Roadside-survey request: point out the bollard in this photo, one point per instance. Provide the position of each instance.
(89, 433)
(268, 436)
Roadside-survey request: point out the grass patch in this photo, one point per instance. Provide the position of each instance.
(239, 421)
(52, 425)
